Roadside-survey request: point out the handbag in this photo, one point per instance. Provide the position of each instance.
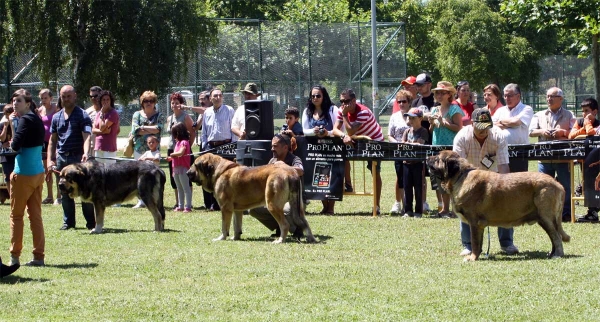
(128, 153)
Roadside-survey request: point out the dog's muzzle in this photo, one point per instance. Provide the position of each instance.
(193, 177)
(63, 188)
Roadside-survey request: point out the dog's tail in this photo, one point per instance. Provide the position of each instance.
(297, 209)
(161, 193)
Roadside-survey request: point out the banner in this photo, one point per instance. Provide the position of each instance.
(386, 151)
(323, 161)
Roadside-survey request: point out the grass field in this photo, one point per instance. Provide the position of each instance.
(362, 269)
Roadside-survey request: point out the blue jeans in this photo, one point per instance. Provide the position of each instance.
(505, 235)
(560, 171)
(68, 204)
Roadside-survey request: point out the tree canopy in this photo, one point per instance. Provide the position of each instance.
(582, 18)
(126, 46)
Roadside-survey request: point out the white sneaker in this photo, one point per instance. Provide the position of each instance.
(396, 208)
(465, 252)
(426, 206)
(140, 204)
(510, 250)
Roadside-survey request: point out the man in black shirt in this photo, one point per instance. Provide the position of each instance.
(281, 146)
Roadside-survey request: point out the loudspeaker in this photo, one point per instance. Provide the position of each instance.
(259, 120)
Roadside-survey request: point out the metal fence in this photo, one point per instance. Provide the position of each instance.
(287, 59)
(284, 59)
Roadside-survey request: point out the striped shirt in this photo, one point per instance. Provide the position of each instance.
(70, 131)
(494, 147)
(216, 126)
(366, 119)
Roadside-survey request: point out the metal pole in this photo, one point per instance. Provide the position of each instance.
(375, 93)
(8, 76)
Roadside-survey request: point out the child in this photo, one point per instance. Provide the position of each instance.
(180, 159)
(292, 127)
(413, 170)
(588, 123)
(153, 154)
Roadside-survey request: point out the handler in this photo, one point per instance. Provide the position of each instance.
(70, 143)
(484, 146)
(282, 146)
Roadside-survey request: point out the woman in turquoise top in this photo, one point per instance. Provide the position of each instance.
(446, 121)
(27, 179)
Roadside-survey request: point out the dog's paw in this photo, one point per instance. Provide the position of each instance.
(222, 237)
(311, 239)
(237, 237)
(470, 258)
(278, 241)
(96, 231)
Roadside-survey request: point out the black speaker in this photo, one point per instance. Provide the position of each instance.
(259, 120)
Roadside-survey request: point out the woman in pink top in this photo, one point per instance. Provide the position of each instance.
(463, 94)
(491, 96)
(46, 111)
(106, 128)
(181, 161)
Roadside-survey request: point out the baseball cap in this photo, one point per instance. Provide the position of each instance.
(482, 119)
(410, 80)
(414, 112)
(422, 79)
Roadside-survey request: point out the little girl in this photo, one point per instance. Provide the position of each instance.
(180, 159)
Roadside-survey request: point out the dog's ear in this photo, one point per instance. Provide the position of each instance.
(207, 168)
(452, 166)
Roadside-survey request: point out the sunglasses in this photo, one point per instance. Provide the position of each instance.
(346, 101)
(316, 96)
(147, 101)
(441, 93)
(93, 96)
(402, 101)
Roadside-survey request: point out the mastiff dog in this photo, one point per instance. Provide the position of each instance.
(237, 188)
(484, 198)
(107, 184)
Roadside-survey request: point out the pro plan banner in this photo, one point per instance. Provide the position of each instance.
(551, 150)
(323, 161)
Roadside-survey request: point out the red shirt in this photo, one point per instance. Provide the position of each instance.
(368, 124)
(467, 109)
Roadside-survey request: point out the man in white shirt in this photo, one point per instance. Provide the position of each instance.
(238, 124)
(555, 123)
(514, 120)
(485, 147)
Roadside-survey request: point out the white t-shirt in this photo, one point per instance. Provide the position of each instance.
(238, 121)
(151, 154)
(518, 134)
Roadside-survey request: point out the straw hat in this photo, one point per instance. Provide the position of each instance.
(445, 86)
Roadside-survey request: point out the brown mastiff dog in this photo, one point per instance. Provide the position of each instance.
(484, 198)
(237, 188)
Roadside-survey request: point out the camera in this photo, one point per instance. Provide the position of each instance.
(321, 130)
(284, 127)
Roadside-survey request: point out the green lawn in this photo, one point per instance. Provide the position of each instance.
(363, 268)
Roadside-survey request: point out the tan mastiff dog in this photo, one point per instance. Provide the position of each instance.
(485, 198)
(237, 188)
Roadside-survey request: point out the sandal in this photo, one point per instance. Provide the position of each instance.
(48, 201)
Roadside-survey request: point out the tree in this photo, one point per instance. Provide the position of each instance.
(581, 17)
(125, 46)
(474, 44)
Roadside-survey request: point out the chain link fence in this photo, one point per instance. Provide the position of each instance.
(284, 59)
